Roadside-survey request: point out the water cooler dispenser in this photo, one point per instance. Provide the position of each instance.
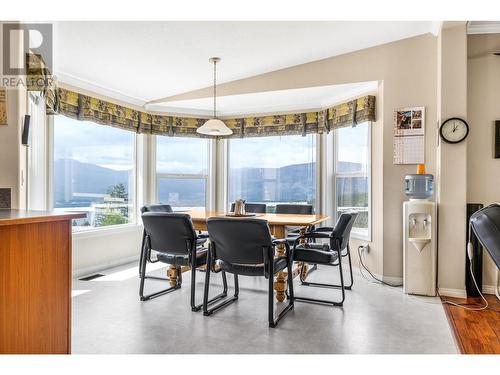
(419, 232)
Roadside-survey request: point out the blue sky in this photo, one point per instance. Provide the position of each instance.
(92, 143)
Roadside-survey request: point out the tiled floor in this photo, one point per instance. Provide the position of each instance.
(109, 318)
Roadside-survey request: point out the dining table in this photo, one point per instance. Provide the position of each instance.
(278, 224)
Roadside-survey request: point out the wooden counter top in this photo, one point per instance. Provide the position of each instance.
(14, 217)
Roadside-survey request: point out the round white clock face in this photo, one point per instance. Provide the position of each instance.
(454, 130)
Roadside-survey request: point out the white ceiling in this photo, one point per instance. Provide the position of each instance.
(142, 61)
(281, 101)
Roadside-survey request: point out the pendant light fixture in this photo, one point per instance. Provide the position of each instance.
(214, 126)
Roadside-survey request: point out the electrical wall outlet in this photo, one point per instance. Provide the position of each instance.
(366, 248)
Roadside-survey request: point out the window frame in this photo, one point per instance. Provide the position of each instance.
(355, 233)
(209, 177)
(36, 109)
(217, 178)
(226, 163)
(118, 228)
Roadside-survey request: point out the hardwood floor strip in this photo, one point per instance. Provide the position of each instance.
(476, 332)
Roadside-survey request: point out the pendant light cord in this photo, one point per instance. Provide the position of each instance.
(215, 88)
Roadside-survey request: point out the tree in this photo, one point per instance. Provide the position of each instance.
(111, 219)
(117, 191)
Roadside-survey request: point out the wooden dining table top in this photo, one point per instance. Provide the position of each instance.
(272, 219)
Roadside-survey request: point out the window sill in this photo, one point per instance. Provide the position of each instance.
(106, 231)
(361, 236)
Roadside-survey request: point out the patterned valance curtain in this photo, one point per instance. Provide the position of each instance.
(84, 107)
(351, 113)
(175, 126)
(38, 76)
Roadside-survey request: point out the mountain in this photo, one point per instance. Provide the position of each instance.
(291, 183)
(78, 184)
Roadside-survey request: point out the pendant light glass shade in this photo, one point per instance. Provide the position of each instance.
(214, 126)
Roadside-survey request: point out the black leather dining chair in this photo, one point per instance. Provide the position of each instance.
(297, 209)
(245, 247)
(329, 254)
(175, 241)
(255, 208)
(158, 208)
(150, 208)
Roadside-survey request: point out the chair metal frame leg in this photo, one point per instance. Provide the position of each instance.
(273, 323)
(346, 287)
(218, 297)
(321, 285)
(225, 302)
(143, 265)
(159, 293)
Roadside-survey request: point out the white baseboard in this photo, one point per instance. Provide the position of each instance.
(457, 293)
(112, 263)
(387, 279)
(488, 289)
(391, 279)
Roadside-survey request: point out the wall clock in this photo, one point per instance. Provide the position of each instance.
(454, 130)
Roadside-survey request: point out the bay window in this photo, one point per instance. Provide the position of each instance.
(272, 170)
(182, 166)
(352, 175)
(93, 171)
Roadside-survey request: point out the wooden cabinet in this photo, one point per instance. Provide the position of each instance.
(35, 282)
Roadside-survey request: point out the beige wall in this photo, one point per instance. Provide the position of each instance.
(483, 170)
(12, 154)
(9, 148)
(407, 69)
(452, 160)
(96, 250)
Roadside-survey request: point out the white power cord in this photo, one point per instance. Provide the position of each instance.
(463, 306)
(371, 274)
(496, 286)
(470, 255)
(466, 307)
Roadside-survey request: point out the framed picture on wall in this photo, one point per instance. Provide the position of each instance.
(409, 135)
(3, 107)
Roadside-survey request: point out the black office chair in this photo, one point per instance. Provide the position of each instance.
(245, 247)
(150, 208)
(326, 254)
(159, 208)
(298, 209)
(156, 208)
(485, 224)
(174, 238)
(255, 208)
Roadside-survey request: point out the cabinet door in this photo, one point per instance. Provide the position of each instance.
(35, 279)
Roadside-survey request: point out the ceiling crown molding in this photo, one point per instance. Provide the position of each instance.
(110, 94)
(483, 27)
